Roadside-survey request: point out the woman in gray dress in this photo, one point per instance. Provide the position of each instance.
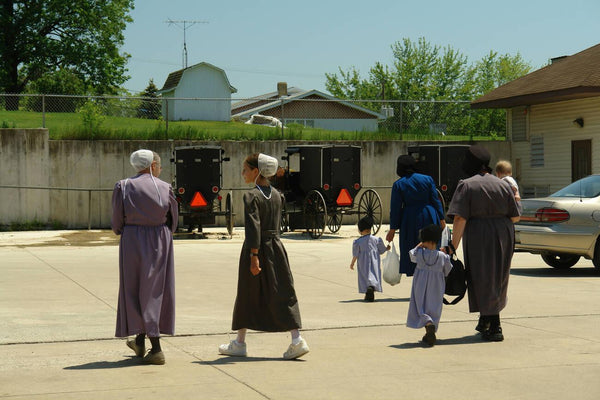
(145, 215)
(266, 298)
(485, 210)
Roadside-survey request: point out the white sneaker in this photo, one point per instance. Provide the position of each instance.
(233, 349)
(296, 350)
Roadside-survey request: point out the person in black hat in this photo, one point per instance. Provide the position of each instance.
(484, 210)
(414, 204)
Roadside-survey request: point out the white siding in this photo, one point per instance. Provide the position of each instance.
(202, 82)
(554, 122)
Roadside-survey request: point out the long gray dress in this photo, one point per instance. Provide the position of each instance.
(487, 203)
(266, 302)
(146, 264)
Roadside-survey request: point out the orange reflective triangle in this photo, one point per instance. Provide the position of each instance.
(198, 201)
(344, 198)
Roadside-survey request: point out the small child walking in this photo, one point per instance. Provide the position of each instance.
(427, 294)
(367, 250)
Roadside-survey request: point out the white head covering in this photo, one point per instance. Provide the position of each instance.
(267, 165)
(141, 159)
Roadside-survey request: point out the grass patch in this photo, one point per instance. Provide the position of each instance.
(70, 126)
(34, 225)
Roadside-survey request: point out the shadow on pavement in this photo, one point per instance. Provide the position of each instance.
(556, 273)
(226, 360)
(471, 339)
(385, 300)
(128, 362)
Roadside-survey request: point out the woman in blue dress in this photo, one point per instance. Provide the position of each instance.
(414, 205)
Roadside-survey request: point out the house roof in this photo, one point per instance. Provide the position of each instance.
(567, 78)
(175, 77)
(270, 100)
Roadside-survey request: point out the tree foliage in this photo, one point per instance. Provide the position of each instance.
(39, 37)
(150, 105)
(424, 72)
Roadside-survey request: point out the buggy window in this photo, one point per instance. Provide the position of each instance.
(586, 187)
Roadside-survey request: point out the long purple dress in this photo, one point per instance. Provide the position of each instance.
(487, 203)
(146, 267)
(427, 293)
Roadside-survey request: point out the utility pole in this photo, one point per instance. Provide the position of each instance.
(184, 25)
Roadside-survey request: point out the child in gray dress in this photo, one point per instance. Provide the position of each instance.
(367, 250)
(427, 294)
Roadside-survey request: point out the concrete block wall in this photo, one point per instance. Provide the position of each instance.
(28, 158)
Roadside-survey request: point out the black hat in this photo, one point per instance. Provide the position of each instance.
(431, 233)
(405, 165)
(477, 159)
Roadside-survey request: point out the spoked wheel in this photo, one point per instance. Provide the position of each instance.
(334, 221)
(369, 205)
(315, 214)
(229, 213)
(284, 222)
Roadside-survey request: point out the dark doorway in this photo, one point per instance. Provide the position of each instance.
(581, 159)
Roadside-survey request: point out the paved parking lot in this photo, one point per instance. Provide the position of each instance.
(58, 293)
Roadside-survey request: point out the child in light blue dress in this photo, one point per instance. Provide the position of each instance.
(367, 250)
(427, 294)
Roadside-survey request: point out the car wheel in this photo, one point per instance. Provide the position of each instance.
(596, 259)
(560, 261)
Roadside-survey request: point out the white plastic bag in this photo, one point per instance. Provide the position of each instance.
(446, 236)
(391, 267)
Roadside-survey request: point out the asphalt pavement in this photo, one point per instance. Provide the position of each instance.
(58, 296)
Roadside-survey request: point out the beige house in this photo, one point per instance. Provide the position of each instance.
(310, 108)
(553, 122)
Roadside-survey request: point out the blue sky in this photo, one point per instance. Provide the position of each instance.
(261, 42)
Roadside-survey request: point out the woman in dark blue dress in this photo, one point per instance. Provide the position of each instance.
(414, 205)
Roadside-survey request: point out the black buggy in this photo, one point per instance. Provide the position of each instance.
(198, 182)
(320, 184)
(444, 164)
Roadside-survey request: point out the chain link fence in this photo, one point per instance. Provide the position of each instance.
(420, 118)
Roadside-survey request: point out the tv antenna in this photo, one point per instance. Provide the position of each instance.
(184, 25)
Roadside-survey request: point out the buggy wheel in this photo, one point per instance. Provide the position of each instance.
(315, 214)
(229, 213)
(369, 205)
(334, 221)
(284, 222)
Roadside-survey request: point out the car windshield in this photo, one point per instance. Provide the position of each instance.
(585, 187)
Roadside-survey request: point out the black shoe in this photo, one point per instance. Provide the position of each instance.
(483, 325)
(429, 337)
(370, 295)
(494, 334)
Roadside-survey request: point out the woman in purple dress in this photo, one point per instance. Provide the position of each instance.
(145, 215)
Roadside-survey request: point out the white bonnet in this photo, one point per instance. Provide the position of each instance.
(267, 165)
(141, 159)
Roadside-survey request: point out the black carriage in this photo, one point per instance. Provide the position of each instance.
(320, 185)
(444, 164)
(198, 183)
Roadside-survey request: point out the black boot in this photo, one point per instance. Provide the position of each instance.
(484, 324)
(494, 334)
(370, 295)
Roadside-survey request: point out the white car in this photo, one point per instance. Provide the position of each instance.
(564, 226)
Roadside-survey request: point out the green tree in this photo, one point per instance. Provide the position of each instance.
(421, 73)
(149, 107)
(60, 82)
(38, 37)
